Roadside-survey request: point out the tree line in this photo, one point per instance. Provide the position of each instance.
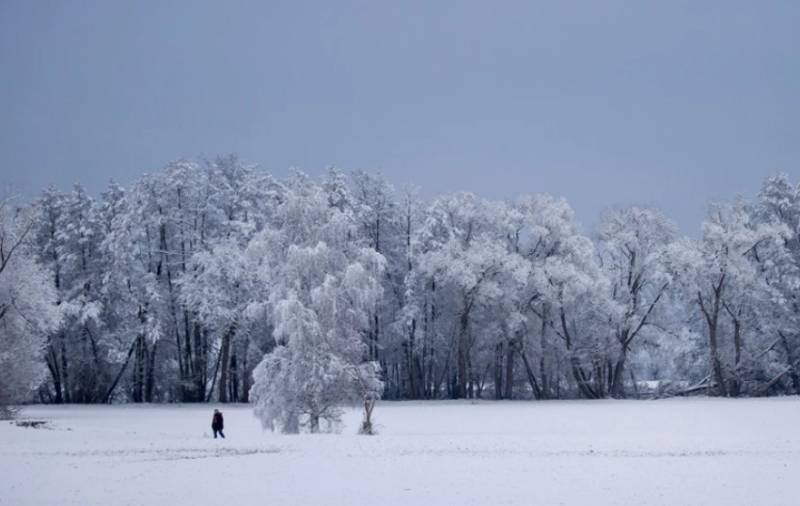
(210, 280)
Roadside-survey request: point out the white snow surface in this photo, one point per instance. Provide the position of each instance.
(668, 452)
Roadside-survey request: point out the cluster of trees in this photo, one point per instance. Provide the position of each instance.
(213, 280)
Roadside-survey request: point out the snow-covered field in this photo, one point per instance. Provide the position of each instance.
(672, 452)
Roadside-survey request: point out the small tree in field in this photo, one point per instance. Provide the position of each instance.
(320, 361)
(300, 383)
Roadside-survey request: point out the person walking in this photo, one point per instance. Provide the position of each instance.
(217, 424)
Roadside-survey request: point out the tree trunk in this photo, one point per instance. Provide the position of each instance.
(537, 391)
(65, 369)
(110, 391)
(149, 383)
(234, 377)
(366, 424)
(584, 386)
(376, 334)
(225, 350)
(544, 367)
(716, 364)
(470, 379)
(187, 355)
(245, 397)
(498, 370)
(200, 364)
(735, 384)
(413, 362)
(582, 380)
(462, 373)
(712, 321)
(140, 370)
(617, 386)
(55, 373)
(791, 362)
(214, 378)
(509, 382)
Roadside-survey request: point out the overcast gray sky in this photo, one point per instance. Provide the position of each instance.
(607, 103)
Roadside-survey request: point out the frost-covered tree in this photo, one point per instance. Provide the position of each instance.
(170, 289)
(543, 228)
(721, 275)
(410, 378)
(779, 204)
(382, 226)
(217, 289)
(458, 278)
(578, 294)
(322, 288)
(633, 243)
(475, 275)
(69, 235)
(319, 362)
(565, 307)
(28, 311)
(131, 286)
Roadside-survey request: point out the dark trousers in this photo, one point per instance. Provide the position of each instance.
(220, 433)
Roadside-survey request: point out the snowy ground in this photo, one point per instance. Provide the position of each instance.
(673, 452)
